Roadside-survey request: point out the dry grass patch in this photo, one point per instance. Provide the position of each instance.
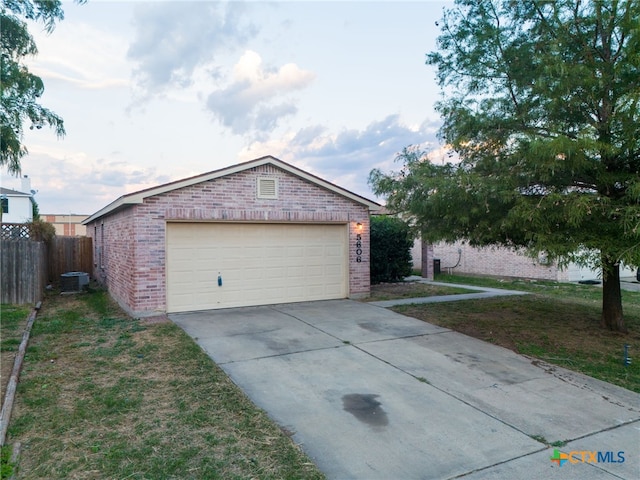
(392, 291)
(106, 396)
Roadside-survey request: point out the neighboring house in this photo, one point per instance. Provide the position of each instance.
(17, 207)
(69, 224)
(260, 232)
(503, 262)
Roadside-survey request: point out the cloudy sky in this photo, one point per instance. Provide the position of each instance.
(152, 92)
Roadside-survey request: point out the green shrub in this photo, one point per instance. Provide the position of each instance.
(391, 242)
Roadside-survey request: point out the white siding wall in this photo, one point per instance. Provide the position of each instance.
(20, 210)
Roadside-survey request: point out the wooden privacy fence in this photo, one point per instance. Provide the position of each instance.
(70, 254)
(24, 271)
(27, 266)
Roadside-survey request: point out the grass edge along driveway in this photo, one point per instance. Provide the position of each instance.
(558, 323)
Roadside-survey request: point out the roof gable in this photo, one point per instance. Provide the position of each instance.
(139, 197)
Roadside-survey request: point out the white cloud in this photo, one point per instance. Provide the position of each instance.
(173, 39)
(443, 154)
(97, 62)
(268, 83)
(250, 101)
(347, 157)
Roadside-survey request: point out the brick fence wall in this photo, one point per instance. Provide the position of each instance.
(495, 261)
(503, 262)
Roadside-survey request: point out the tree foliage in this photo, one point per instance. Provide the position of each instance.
(35, 210)
(540, 103)
(20, 88)
(391, 242)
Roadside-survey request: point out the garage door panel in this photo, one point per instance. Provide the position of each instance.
(274, 252)
(259, 263)
(333, 290)
(332, 271)
(276, 274)
(180, 255)
(315, 272)
(334, 250)
(295, 252)
(295, 271)
(316, 251)
(183, 299)
(315, 291)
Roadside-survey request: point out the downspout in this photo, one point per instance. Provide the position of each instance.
(450, 269)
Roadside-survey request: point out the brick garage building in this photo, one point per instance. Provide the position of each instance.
(260, 232)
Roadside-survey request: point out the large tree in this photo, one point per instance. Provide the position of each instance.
(540, 106)
(20, 89)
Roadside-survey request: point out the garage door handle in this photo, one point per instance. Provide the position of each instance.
(219, 280)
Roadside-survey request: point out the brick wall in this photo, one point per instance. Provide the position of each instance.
(134, 239)
(494, 261)
(114, 254)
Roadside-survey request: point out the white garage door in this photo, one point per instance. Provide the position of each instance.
(258, 264)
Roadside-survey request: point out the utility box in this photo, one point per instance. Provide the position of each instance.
(436, 266)
(73, 281)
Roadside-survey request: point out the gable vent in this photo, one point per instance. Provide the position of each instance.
(267, 187)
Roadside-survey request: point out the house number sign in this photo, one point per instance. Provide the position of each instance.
(358, 247)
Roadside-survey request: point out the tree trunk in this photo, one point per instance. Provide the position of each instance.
(612, 317)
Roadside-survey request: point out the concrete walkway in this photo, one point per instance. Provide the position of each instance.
(371, 394)
(483, 292)
(628, 283)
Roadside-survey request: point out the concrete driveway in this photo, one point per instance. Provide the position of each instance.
(371, 394)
